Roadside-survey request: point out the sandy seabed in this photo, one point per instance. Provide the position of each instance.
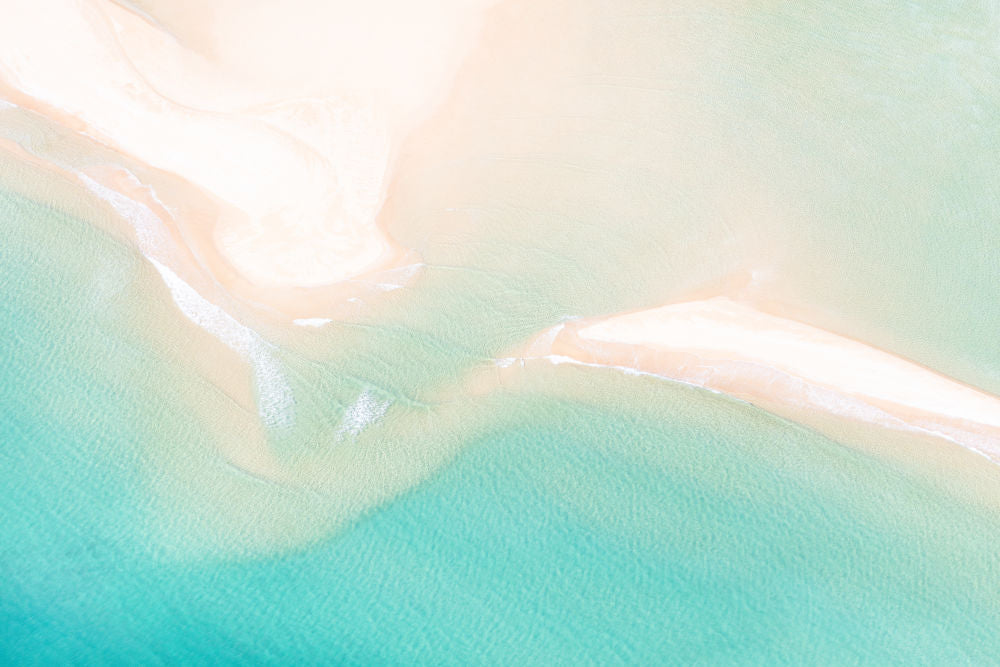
(250, 152)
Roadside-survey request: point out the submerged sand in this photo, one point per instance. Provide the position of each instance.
(786, 366)
(246, 151)
(250, 149)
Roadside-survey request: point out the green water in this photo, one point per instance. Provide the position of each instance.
(629, 519)
(843, 151)
(845, 154)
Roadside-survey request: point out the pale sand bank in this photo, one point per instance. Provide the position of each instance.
(246, 152)
(286, 116)
(783, 365)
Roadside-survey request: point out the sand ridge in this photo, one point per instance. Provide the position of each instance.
(287, 118)
(781, 364)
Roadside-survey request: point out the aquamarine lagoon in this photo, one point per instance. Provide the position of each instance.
(627, 520)
(295, 366)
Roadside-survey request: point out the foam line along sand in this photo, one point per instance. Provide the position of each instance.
(784, 365)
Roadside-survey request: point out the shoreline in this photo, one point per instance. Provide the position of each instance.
(786, 367)
(248, 242)
(261, 211)
(270, 167)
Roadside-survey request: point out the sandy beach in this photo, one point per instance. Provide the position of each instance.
(783, 365)
(262, 142)
(249, 156)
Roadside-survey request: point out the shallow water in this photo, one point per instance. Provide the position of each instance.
(839, 162)
(588, 517)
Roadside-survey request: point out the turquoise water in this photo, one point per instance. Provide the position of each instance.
(587, 517)
(844, 156)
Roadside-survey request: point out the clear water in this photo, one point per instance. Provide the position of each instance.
(622, 519)
(845, 155)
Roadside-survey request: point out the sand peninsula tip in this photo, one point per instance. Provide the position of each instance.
(783, 365)
(287, 117)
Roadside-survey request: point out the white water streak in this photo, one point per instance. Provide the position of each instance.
(311, 321)
(275, 402)
(366, 410)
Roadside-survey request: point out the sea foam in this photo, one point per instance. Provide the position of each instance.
(275, 402)
(366, 410)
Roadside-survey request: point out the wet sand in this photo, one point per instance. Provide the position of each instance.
(266, 136)
(781, 364)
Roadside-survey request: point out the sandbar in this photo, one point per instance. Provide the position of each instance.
(285, 116)
(786, 366)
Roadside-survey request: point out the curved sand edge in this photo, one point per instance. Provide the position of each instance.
(277, 130)
(782, 365)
